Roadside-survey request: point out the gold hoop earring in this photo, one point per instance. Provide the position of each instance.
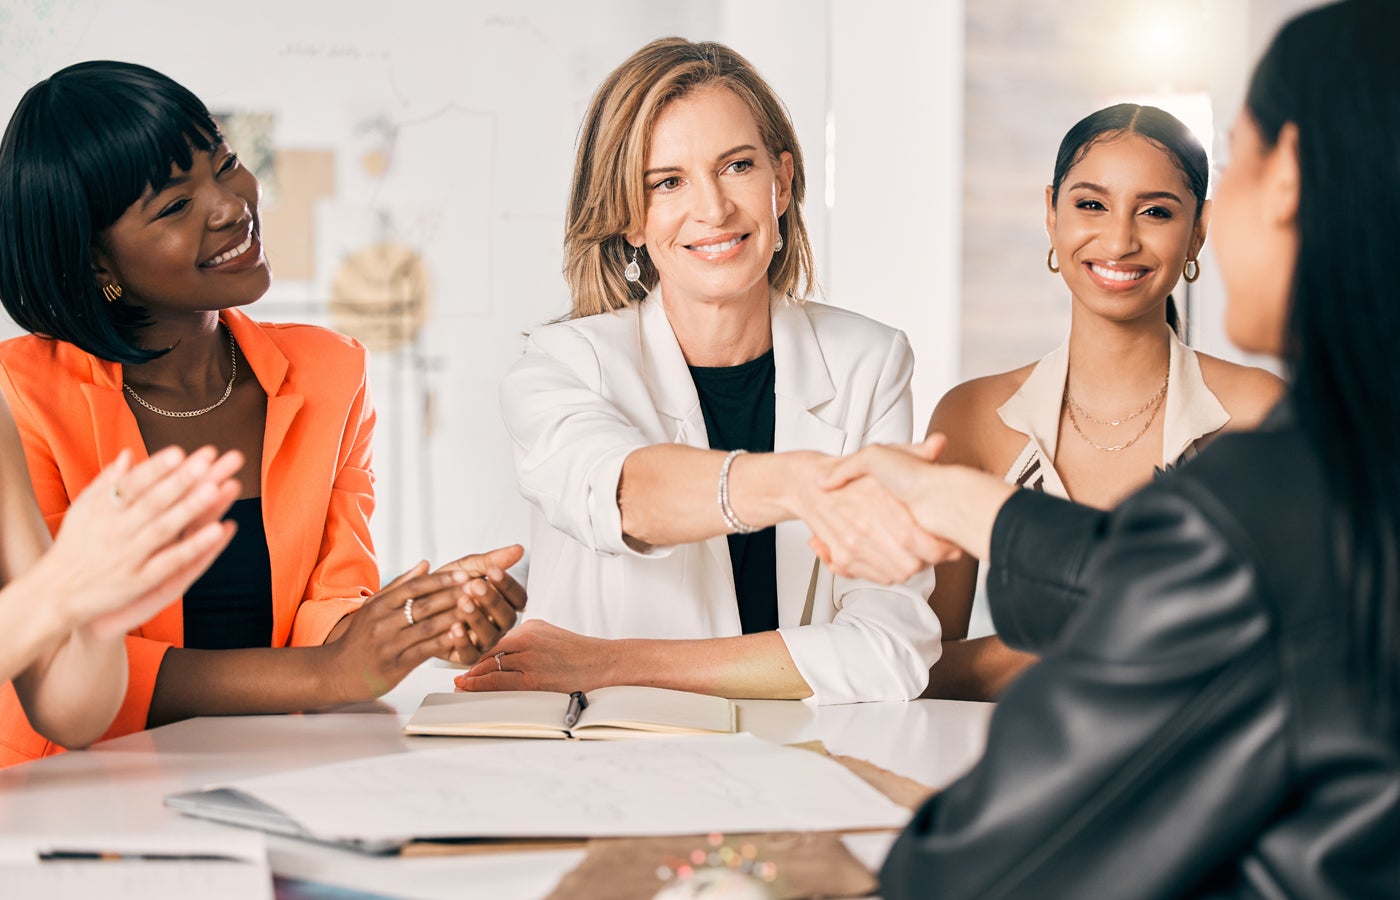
(112, 292)
(1050, 261)
(1191, 271)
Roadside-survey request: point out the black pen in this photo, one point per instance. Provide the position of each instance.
(124, 856)
(577, 704)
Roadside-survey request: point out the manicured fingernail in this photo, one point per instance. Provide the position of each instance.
(458, 576)
(466, 605)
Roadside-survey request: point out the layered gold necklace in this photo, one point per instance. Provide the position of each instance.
(1151, 407)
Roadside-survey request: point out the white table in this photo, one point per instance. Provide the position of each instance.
(118, 786)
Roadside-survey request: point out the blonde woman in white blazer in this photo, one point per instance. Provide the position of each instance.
(655, 559)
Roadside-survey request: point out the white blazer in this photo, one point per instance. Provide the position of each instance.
(590, 391)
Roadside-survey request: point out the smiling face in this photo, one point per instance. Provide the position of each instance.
(713, 196)
(1123, 226)
(192, 246)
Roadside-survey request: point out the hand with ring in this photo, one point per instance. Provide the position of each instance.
(138, 536)
(416, 616)
(495, 599)
(543, 657)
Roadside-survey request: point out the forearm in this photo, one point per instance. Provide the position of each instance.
(977, 669)
(72, 696)
(669, 493)
(33, 625)
(751, 666)
(255, 681)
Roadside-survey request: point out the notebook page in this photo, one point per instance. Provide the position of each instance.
(657, 709)
(502, 712)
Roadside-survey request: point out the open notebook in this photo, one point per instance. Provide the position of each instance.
(610, 713)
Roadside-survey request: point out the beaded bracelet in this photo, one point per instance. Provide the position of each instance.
(735, 524)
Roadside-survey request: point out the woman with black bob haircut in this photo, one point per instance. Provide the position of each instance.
(129, 237)
(1217, 709)
(1123, 397)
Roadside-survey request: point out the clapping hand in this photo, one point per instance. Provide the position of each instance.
(416, 616)
(496, 599)
(138, 536)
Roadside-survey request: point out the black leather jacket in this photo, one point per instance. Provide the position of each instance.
(1191, 730)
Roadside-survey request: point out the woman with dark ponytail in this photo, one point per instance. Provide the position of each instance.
(1126, 212)
(1217, 708)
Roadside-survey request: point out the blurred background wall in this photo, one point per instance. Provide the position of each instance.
(416, 158)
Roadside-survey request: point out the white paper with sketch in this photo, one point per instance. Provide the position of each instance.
(683, 785)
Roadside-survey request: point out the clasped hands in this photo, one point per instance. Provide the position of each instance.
(457, 613)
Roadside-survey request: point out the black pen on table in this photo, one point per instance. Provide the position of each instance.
(129, 856)
(577, 704)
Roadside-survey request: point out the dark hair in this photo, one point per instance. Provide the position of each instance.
(81, 147)
(1334, 74)
(1158, 126)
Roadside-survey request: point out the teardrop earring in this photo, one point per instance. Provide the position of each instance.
(777, 224)
(633, 272)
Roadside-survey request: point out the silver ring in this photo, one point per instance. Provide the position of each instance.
(499, 667)
(408, 611)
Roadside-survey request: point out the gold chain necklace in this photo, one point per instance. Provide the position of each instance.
(233, 365)
(1154, 404)
(1069, 398)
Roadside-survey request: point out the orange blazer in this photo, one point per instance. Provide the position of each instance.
(317, 485)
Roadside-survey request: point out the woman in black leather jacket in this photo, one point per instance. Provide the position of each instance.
(1217, 712)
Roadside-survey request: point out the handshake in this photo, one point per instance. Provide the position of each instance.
(889, 511)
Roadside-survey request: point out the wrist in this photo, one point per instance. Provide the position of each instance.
(974, 499)
(732, 522)
(333, 680)
(796, 474)
(613, 662)
(55, 604)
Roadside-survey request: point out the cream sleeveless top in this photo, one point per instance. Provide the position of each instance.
(1191, 412)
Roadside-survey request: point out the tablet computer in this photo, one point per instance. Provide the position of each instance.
(234, 808)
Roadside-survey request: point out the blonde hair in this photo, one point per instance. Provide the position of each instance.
(608, 197)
